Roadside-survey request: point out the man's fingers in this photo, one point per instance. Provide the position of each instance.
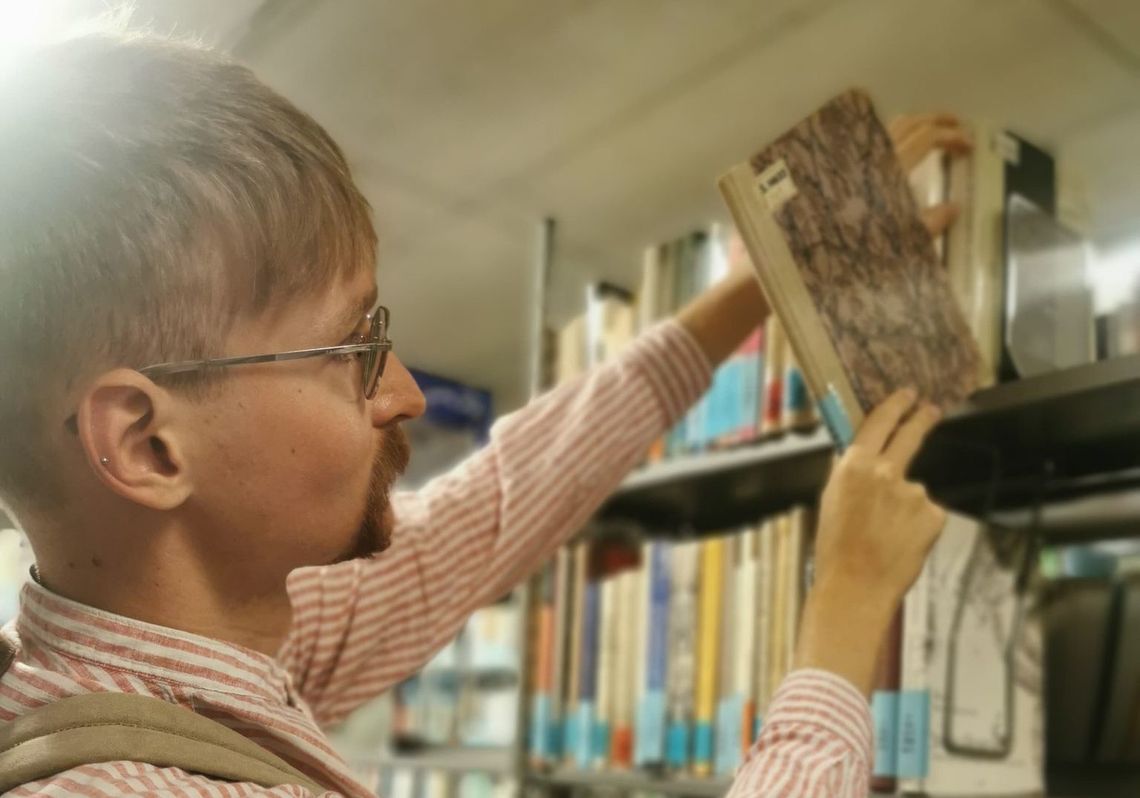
(910, 436)
(938, 218)
(880, 425)
(914, 140)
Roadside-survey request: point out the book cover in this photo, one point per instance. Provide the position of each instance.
(651, 716)
(708, 631)
(682, 673)
(837, 241)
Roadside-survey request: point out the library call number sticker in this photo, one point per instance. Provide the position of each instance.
(776, 186)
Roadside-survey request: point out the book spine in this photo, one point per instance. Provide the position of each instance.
(765, 588)
(572, 691)
(744, 666)
(541, 699)
(563, 581)
(730, 706)
(885, 710)
(682, 655)
(708, 629)
(626, 654)
(913, 757)
(798, 410)
(607, 661)
(587, 675)
(651, 717)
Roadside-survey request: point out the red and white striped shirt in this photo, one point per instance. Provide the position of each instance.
(360, 627)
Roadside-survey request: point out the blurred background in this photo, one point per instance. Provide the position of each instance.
(467, 123)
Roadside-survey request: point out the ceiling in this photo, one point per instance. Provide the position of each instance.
(467, 122)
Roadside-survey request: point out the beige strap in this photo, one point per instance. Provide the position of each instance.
(116, 727)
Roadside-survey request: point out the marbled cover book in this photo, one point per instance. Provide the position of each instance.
(844, 205)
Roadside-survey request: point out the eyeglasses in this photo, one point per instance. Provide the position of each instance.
(372, 351)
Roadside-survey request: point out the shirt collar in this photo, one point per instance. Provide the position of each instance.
(147, 650)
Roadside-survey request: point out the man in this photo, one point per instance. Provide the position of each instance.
(201, 418)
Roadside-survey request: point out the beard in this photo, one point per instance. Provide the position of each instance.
(374, 533)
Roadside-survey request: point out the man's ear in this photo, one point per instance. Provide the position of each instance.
(129, 432)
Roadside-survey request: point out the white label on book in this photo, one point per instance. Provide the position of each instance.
(1009, 148)
(776, 186)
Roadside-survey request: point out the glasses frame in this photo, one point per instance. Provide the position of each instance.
(375, 350)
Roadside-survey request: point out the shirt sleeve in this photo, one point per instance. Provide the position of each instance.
(470, 535)
(817, 742)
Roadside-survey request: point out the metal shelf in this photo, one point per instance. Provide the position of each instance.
(1055, 438)
(453, 759)
(630, 780)
(1094, 781)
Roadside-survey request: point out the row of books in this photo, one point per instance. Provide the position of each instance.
(757, 393)
(664, 655)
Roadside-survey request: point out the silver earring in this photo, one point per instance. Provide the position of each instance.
(105, 460)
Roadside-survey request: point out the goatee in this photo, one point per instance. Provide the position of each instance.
(375, 532)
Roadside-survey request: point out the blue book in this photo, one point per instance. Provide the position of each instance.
(651, 722)
(588, 677)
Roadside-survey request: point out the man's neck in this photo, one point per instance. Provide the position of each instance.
(168, 587)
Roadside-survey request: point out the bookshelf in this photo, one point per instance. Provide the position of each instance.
(1061, 437)
(629, 781)
(451, 759)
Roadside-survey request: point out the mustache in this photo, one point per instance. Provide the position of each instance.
(393, 456)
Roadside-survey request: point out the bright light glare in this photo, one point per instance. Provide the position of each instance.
(26, 23)
(1115, 274)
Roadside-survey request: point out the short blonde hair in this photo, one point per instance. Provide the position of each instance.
(151, 192)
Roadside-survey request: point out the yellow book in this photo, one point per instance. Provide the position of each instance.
(708, 645)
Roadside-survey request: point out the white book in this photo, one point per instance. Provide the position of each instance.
(403, 783)
(648, 297)
(607, 657)
(985, 669)
(747, 571)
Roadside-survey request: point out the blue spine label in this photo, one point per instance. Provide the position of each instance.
(540, 726)
(677, 751)
(583, 731)
(885, 715)
(729, 723)
(650, 736)
(703, 744)
(836, 418)
(914, 734)
(601, 742)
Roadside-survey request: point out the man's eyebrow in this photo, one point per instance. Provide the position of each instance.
(349, 319)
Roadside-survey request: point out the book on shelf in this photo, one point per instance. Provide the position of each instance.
(712, 578)
(681, 678)
(836, 237)
(972, 701)
(668, 647)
